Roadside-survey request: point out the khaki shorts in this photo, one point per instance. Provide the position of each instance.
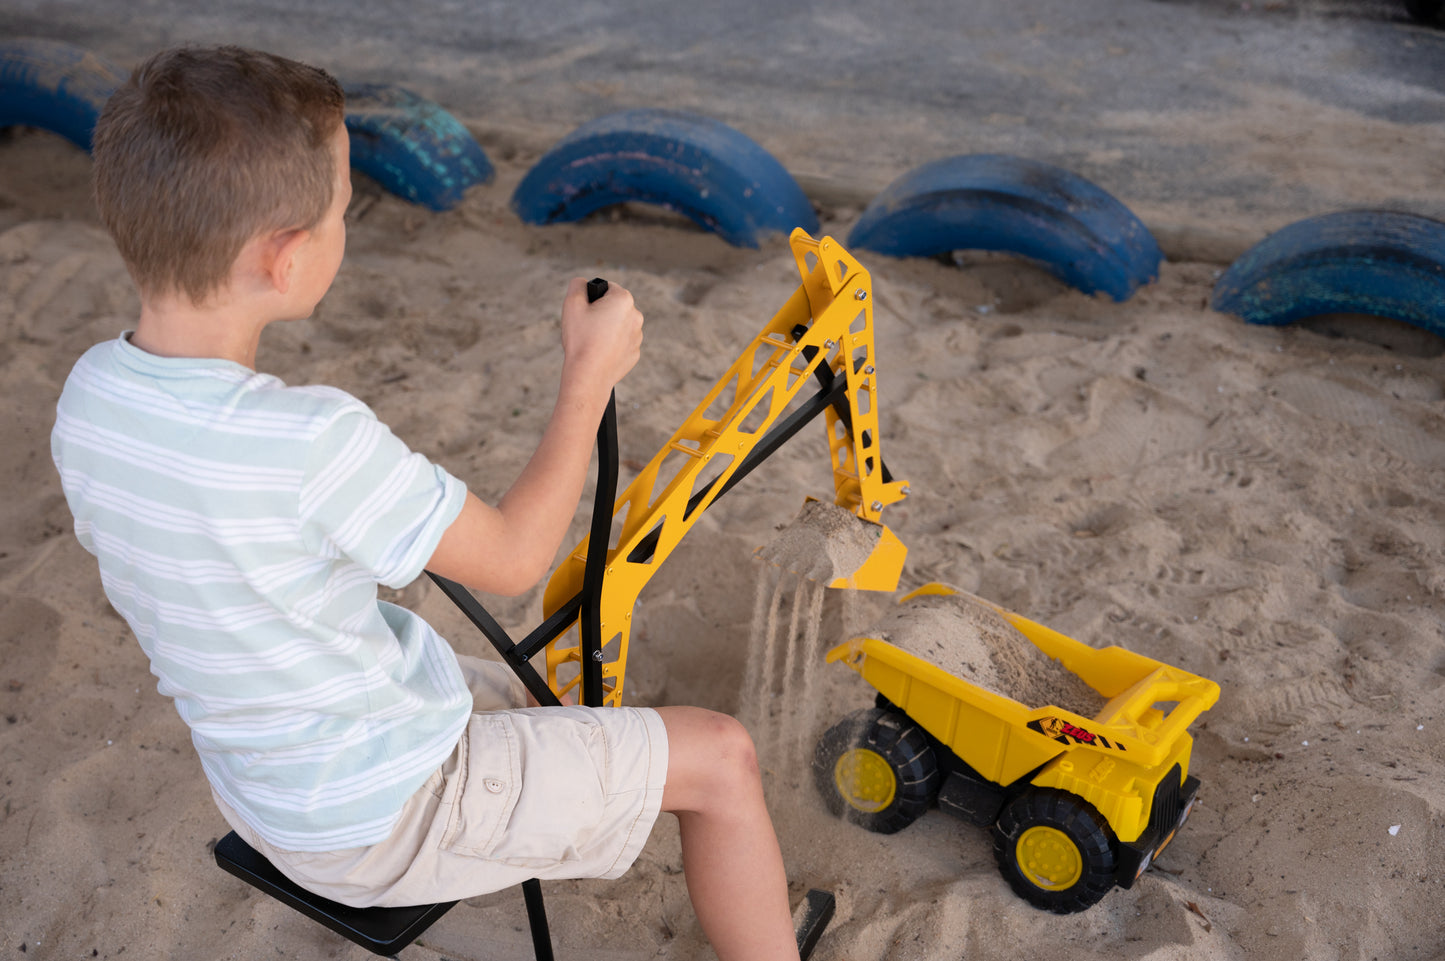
(562, 792)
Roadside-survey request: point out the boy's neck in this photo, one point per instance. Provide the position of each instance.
(174, 327)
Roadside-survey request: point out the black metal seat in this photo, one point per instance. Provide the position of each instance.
(383, 931)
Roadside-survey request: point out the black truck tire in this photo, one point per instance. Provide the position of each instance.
(876, 769)
(1055, 850)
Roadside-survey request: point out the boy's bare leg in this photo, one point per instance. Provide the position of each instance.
(730, 853)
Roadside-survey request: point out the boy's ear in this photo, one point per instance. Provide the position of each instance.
(279, 257)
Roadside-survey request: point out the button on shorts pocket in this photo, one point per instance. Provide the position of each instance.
(487, 785)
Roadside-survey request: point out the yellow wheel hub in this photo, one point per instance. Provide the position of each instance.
(865, 780)
(1049, 859)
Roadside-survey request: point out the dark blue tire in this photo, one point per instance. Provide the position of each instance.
(1072, 228)
(696, 166)
(55, 86)
(411, 146)
(1353, 262)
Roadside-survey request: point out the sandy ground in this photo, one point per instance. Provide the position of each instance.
(1265, 507)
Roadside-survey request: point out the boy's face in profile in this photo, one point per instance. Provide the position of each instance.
(320, 257)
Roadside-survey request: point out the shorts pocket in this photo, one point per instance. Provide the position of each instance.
(486, 786)
(559, 815)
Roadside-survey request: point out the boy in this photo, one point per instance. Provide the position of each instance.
(242, 526)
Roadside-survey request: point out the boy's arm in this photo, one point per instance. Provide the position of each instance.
(508, 548)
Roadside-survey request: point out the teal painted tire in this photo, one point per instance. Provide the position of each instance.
(411, 146)
(1353, 262)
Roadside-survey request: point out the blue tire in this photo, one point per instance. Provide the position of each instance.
(1074, 229)
(55, 86)
(1353, 262)
(698, 167)
(411, 146)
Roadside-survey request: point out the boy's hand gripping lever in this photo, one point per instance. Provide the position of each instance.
(589, 622)
(586, 605)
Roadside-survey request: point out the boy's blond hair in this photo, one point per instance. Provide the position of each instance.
(203, 149)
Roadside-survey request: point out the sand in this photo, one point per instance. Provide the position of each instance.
(823, 543)
(1265, 507)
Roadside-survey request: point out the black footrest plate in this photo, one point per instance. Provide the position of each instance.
(811, 918)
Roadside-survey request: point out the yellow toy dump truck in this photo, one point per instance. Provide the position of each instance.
(1077, 804)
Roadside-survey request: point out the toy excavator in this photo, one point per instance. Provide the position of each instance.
(822, 335)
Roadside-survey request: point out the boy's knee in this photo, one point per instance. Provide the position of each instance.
(734, 746)
(712, 759)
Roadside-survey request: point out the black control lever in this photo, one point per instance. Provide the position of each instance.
(589, 620)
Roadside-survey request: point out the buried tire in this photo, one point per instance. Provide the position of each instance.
(54, 86)
(411, 146)
(1071, 227)
(1380, 263)
(699, 167)
(876, 769)
(1055, 850)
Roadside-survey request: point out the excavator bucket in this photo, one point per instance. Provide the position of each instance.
(829, 544)
(880, 572)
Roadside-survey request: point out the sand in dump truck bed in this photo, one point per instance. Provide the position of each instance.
(969, 639)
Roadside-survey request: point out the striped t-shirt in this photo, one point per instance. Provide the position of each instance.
(242, 527)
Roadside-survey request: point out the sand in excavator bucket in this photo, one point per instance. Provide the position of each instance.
(833, 546)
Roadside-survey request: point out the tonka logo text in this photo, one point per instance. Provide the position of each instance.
(1067, 733)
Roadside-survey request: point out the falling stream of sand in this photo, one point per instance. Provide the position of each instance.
(786, 613)
(779, 702)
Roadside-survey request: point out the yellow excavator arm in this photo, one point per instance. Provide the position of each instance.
(823, 335)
